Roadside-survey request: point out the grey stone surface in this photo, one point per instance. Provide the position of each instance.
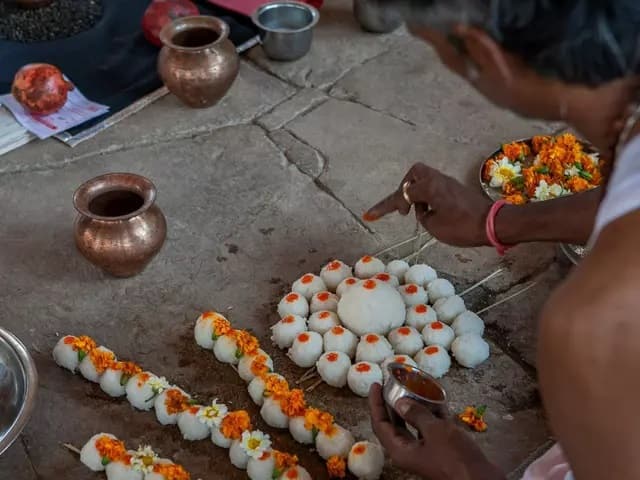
(303, 101)
(338, 46)
(167, 120)
(307, 159)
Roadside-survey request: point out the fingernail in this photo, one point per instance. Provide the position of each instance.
(370, 217)
(402, 407)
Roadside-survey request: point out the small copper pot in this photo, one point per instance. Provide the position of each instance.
(198, 63)
(119, 227)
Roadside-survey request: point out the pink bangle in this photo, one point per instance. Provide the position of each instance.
(490, 227)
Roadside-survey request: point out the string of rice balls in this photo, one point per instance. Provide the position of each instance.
(248, 449)
(330, 319)
(105, 453)
(285, 408)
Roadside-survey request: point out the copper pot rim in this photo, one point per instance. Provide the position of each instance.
(110, 182)
(183, 23)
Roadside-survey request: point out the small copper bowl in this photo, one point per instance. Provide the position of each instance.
(410, 382)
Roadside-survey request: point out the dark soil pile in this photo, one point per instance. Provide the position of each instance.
(60, 19)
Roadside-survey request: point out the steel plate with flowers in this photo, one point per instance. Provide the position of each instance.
(542, 168)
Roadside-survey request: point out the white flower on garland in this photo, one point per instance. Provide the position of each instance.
(544, 191)
(213, 414)
(572, 172)
(255, 443)
(158, 385)
(144, 459)
(503, 171)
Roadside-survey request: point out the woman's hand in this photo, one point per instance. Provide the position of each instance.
(443, 453)
(451, 212)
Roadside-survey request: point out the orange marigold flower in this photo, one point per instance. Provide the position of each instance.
(486, 170)
(516, 151)
(128, 369)
(275, 386)
(284, 460)
(176, 401)
(110, 449)
(171, 471)
(247, 343)
(577, 184)
(473, 417)
(234, 424)
(317, 420)
(336, 466)
(539, 141)
(102, 360)
(259, 366)
(293, 404)
(221, 326)
(82, 344)
(516, 199)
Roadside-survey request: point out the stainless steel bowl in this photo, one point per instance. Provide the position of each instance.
(410, 382)
(375, 16)
(286, 29)
(18, 385)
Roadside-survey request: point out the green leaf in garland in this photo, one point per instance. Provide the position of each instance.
(276, 474)
(81, 355)
(480, 410)
(105, 461)
(214, 337)
(193, 401)
(314, 434)
(124, 379)
(238, 353)
(544, 170)
(585, 175)
(578, 165)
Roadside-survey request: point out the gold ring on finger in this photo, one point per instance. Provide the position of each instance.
(405, 192)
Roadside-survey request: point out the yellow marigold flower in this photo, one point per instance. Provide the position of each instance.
(317, 420)
(516, 199)
(516, 151)
(284, 460)
(110, 449)
(276, 387)
(577, 184)
(293, 404)
(247, 343)
(171, 471)
(234, 424)
(336, 466)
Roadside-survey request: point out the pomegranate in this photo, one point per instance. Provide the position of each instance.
(161, 12)
(315, 3)
(40, 88)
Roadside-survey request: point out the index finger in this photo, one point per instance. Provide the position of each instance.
(391, 203)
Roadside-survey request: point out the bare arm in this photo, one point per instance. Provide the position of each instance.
(589, 357)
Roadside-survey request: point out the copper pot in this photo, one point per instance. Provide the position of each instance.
(198, 62)
(119, 227)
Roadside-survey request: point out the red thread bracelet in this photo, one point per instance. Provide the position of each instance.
(490, 227)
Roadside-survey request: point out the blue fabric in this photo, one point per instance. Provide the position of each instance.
(112, 63)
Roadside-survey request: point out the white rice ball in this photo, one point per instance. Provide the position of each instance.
(335, 443)
(64, 354)
(440, 288)
(295, 473)
(398, 268)
(306, 349)
(340, 339)
(190, 425)
(419, 316)
(203, 331)
(333, 273)
(261, 468)
(287, 329)
(119, 470)
(405, 341)
(333, 368)
(140, 392)
(308, 285)
(324, 301)
(345, 285)
(111, 382)
(95, 363)
(293, 304)
(373, 348)
(271, 412)
(246, 363)
(368, 266)
(323, 321)
(218, 439)
(413, 294)
(366, 461)
(438, 333)
(167, 405)
(89, 454)
(225, 349)
(299, 433)
(387, 278)
(403, 359)
(420, 275)
(256, 388)
(434, 360)
(238, 456)
(371, 307)
(468, 322)
(470, 350)
(449, 308)
(362, 376)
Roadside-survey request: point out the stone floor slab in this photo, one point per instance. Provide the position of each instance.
(303, 101)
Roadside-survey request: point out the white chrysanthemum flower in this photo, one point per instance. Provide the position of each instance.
(144, 459)
(572, 172)
(158, 384)
(503, 171)
(595, 158)
(544, 191)
(213, 414)
(255, 443)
